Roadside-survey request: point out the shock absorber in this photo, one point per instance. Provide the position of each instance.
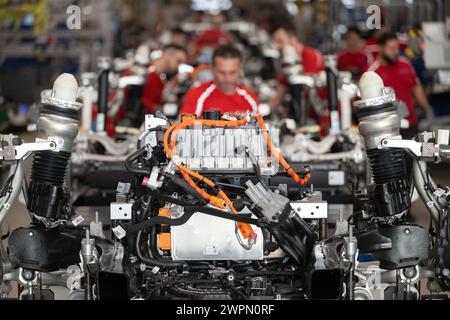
(378, 119)
(59, 121)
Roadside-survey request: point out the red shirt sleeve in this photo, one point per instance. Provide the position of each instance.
(320, 61)
(189, 102)
(152, 94)
(312, 60)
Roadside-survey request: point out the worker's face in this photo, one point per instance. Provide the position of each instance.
(282, 39)
(226, 73)
(179, 39)
(217, 20)
(173, 60)
(391, 51)
(353, 40)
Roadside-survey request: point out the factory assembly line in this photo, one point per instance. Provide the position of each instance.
(224, 157)
(213, 210)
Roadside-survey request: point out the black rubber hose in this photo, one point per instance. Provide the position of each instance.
(158, 195)
(186, 187)
(201, 267)
(287, 226)
(154, 262)
(300, 223)
(292, 234)
(153, 244)
(188, 212)
(133, 157)
(291, 238)
(224, 215)
(292, 231)
(298, 247)
(231, 187)
(284, 246)
(132, 229)
(295, 243)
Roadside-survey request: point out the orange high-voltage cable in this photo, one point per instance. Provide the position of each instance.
(245, 229)
(283, 162)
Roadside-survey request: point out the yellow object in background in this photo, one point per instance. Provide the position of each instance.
(17, 11)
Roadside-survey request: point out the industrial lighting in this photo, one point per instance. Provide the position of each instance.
(349, 4)
(211, 5)
(292, 8)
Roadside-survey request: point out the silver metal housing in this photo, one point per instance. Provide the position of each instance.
(388, 96)
(376, 127)
(206, 237)
(61, 130)
(214, 149)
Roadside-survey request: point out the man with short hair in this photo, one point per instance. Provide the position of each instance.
(398, 73)
(285, 37)
(161, 70)
(224, 93)
(354, 58)
(179, 37)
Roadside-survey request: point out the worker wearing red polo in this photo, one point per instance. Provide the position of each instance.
(354, 58)
(161, 70)
(398, 73)
(284, 36)
(224, 93)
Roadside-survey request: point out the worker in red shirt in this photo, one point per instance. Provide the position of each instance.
(214, 36)
(161, 70)
(371, 43)
(311, 59)
(398, 73)
(224, 93)
(354, 58)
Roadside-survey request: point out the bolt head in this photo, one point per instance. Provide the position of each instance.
(445, 272)
(407, 231)
(409, 272)
(27, 274)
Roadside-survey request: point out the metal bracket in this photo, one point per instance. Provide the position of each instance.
(152, 122)
(121, 211)
(310, 210)
(21, 151)
(415, 147)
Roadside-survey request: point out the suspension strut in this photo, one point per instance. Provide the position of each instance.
(378, 119)
(59, 121)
